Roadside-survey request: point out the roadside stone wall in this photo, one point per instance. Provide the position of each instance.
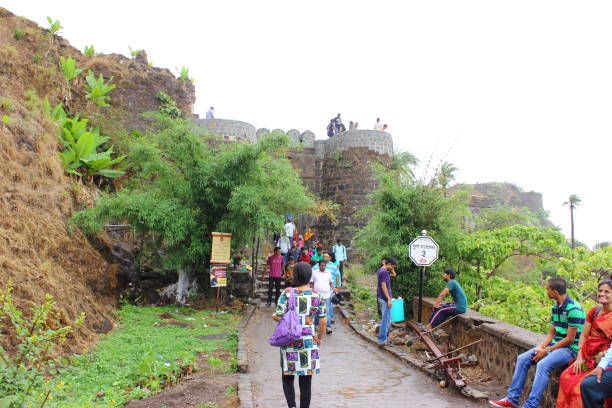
(229, 130)
(500, 346)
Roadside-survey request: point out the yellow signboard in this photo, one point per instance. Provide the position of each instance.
(221, 246)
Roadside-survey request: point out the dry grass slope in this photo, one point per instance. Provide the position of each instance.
(38, 253)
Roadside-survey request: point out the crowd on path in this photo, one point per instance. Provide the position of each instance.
(336, 127)
(578, 341)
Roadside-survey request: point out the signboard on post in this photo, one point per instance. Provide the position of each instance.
(221, 246)
(218, 276)
(423, 251)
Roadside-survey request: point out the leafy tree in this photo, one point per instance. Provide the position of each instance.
(404, 162)
(503, 216)
(572, 202)
(602, 245)
(181, 190)
(400, 209)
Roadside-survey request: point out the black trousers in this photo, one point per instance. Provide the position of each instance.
(277, 285)
(594, 393)
(305, 382)
(341, 268)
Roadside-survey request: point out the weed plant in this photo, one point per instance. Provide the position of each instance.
(97, 89)
(18, 34)
(144, 354)
(89, 51)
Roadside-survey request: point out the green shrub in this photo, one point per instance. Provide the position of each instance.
(36, 339)
(89, 51)
(54, 26)
(168, 105)
(184, 74)
(134, 53)
(97, 89)
(18, 34)
(68, 66)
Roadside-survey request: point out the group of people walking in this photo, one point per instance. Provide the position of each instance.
(335, 126)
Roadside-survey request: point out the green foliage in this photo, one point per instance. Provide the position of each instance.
(89, 51)
(68, 66)
(182, 189)
(184, 74)
(602, 245)
(82, 146)
(168, 106)
(6, 119)
(54, 26)
(18, 34)
(6, 105)
(134, 53)
(143, 354)
(504, 216)
(37, 339)
(401, 208)
(97, 89)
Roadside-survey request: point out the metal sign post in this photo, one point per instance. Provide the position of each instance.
(423, 252)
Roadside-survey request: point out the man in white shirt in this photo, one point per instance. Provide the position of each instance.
(377, 125)
(321, 282)
(284, 244)
(289, 229)
(597, 386)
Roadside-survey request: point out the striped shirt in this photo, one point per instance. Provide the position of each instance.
(565, 316)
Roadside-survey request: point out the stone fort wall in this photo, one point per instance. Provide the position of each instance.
(337, 169)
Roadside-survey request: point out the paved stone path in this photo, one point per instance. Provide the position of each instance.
(354, 373)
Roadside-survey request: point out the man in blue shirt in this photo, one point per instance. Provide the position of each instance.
(385, 299)
(598, 385)
(339, 251)
(444, 311)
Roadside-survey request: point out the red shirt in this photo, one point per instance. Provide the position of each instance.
(305, 258)
(275, 262)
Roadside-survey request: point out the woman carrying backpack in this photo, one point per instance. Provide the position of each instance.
(301, 357)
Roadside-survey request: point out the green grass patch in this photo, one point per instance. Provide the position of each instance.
(149, 350)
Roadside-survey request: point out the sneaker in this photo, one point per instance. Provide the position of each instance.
(384, 343)
(502, 403)
(329, 331)
(267, 304)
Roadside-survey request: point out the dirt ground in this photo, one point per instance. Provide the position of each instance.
(209, 388)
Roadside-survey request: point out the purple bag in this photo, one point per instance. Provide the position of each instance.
(289, 329)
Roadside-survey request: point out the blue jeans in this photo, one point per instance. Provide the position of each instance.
(555, 359)
(594, 393)
(330, 311)
(385, 322)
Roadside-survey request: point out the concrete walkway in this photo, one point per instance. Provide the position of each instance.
(354, 373)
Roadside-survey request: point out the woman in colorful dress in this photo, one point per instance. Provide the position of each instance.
(301, 358)
(594, 341)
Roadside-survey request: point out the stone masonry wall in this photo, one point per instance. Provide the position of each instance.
(229, 130)
(375, 140)
(500, 346)
(347, 178)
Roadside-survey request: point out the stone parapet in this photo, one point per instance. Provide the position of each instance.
(374, 140)
(229, 130)
(500, 346)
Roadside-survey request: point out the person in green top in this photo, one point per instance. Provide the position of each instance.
(317, 257)
(444, 311)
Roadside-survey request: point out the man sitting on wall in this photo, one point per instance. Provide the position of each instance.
(444, 311)
(557, 349)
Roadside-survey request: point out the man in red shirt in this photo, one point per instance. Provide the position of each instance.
(274, 265)
(305, 257)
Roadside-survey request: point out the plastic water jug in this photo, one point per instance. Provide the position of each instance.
(397, 311)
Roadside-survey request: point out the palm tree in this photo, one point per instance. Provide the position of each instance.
(406, 161)
(573, 202)
(446, 175)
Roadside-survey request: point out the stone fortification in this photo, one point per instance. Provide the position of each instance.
(337, 169)
(229, 130)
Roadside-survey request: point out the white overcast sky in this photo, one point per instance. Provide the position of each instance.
(516, 91)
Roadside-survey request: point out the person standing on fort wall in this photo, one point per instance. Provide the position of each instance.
(210, 113)
(331, 128)
(378, 125)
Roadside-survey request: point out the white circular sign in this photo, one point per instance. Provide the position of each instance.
(423, 250)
